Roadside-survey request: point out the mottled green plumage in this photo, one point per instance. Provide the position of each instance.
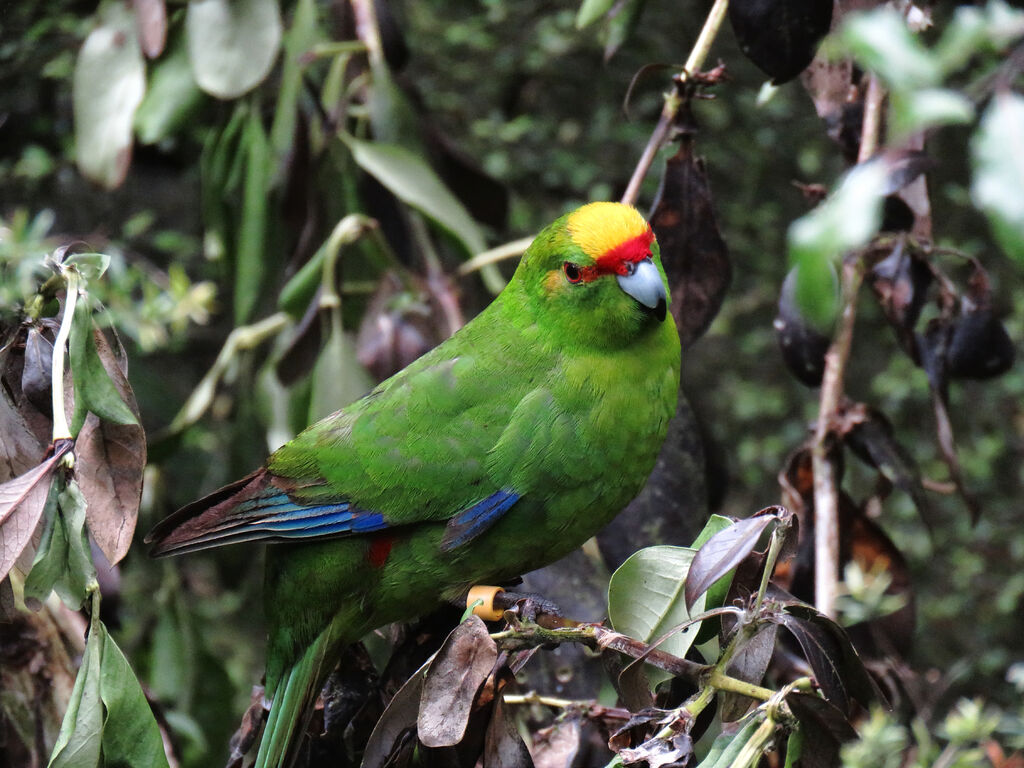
(554, 400)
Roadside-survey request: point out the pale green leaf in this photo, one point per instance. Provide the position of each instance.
(298, 40)
(414, 182)
(882, 43)
(94, 389)
(131, 737)
(592, 10)
(91, 266)
(171, 99)
(108, 85)
(645, 599)
(997, 151)
(232, 44)
(79, 740)
(252, 235)
(918, 110)
(338, 376)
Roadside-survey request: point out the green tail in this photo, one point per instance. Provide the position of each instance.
(294, 697)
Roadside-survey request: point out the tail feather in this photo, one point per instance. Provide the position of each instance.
(294, 697)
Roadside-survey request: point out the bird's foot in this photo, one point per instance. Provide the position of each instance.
(528, 606)
(495, 603)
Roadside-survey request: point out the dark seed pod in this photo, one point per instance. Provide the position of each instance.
(900, 281)
(803, 348)
(36, 376)
(979, 346)
(780, 36)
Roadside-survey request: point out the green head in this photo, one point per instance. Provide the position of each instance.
(596, 275)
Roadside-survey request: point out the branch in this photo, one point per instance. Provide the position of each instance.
(826, 494)
(673, 101)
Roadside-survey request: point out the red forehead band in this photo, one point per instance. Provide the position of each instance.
(614, 261)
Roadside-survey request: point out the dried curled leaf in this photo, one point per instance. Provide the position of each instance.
(455, 675)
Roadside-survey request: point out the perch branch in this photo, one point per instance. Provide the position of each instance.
(673, 101)
(826, 494)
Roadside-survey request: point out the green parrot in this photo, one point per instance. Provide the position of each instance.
(497, 452)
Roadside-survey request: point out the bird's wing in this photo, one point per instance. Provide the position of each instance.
(418, 449)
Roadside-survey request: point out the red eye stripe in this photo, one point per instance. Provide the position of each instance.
(614, 261)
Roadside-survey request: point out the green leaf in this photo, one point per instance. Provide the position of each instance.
(51, 554)
(108, 85)
(79, 740)
(131, 737)
(63, 562)
(299, 39)
(412, 181)
(252, 235)
(847, 219)
(592, 10)
(232, 44)
(94, 389)
(300, 289)
(645, 599)
(727, 745)
(620, 25)
(997, 152)
(882, 43)
(918, 110)
(338, 376)
(91, 266)
(73, 587)
(171, 99)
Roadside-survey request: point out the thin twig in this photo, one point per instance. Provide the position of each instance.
(871, 126)
(826, 494)
(698, 55)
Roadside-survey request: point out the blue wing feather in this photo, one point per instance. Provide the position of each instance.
(477, 518)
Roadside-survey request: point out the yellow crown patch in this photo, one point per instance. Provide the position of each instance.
(599, 227)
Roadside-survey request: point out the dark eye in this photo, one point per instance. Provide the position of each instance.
(572, 272)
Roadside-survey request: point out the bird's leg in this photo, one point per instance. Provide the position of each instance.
(491, 603)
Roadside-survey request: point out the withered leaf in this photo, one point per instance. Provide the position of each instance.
(503, 746)
(749, 664)
(725, 550)
(21, 505)
(824, 729)
(900, 281)
(980, 347)
(838, 670)
(780, 36)
(695, 256)
(36, 377)
(19, 448)
(871, 437)
(397, 726)
(557, 745)
(661, 753)
(453, 678)
(110, 459)
(803, 347)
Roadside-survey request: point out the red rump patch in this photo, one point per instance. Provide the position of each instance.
(614, 261)
(379, 550)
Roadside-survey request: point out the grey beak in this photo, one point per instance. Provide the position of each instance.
(644, 284)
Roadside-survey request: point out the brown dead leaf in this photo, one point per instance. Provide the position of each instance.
(21, 505)
(557, 745)
(503, 746)
(109, 461)
(694, 254)
(453, 679)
